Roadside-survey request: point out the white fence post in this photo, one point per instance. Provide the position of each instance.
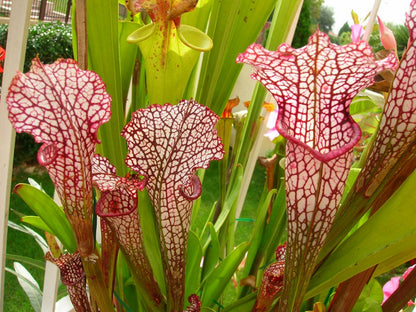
(15, 54)
(51, 280)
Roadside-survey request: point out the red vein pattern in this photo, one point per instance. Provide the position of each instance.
(73, 277)
(109, 252)
(313, 192)
(163, 10)
(62, 107)
(313, 87)
(118, 207)
(410, 21)
(396, 137)
(195, 304)
(272, 282)
(166, 145)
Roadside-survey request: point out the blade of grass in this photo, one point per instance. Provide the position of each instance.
(40, 264)
(193, 261)
(215, 283)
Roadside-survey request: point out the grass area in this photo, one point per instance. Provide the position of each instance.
(210, 194)
(22, 244)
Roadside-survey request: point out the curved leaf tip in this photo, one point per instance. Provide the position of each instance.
(313, 87)
(47, 154)
(195, 304)
(192, 190)
(194, 38)
(180, 138)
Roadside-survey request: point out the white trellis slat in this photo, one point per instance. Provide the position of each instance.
(50, 282)
(15, 54)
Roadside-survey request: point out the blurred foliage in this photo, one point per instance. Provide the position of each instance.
(49, 41)
(312, 15)
(344, 28)
(326, 19)
(25, 149)
(315, 10)
(303, 28)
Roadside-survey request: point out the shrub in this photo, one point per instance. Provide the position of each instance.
(47, 40)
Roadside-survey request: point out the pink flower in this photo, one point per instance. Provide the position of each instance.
(271, 124)
(357, 31)
(393, 284)
(386, 36)
(390, 287)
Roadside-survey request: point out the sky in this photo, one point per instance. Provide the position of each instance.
(389, 11)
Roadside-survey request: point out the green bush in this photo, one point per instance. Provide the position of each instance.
(49, 41)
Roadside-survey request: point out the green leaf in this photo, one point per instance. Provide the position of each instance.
(29, 286)
(151, 237)
(275, 229)
(231, 197)
(367, 305)
(209, 217)
(40, 264)
(257, 237)
(37, 222)
(199, 16)
(390, 232)
(212, 252)
(370, 299)
(233, 26)
(244, 304)
(53, 216)
(216, 282)
(128, 52)
(193, 264)
(362, 105)
(352, 176)
(24, 229)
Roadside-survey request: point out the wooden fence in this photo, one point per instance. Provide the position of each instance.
(43, 10)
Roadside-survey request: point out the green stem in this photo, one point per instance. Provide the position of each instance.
(96, 283)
